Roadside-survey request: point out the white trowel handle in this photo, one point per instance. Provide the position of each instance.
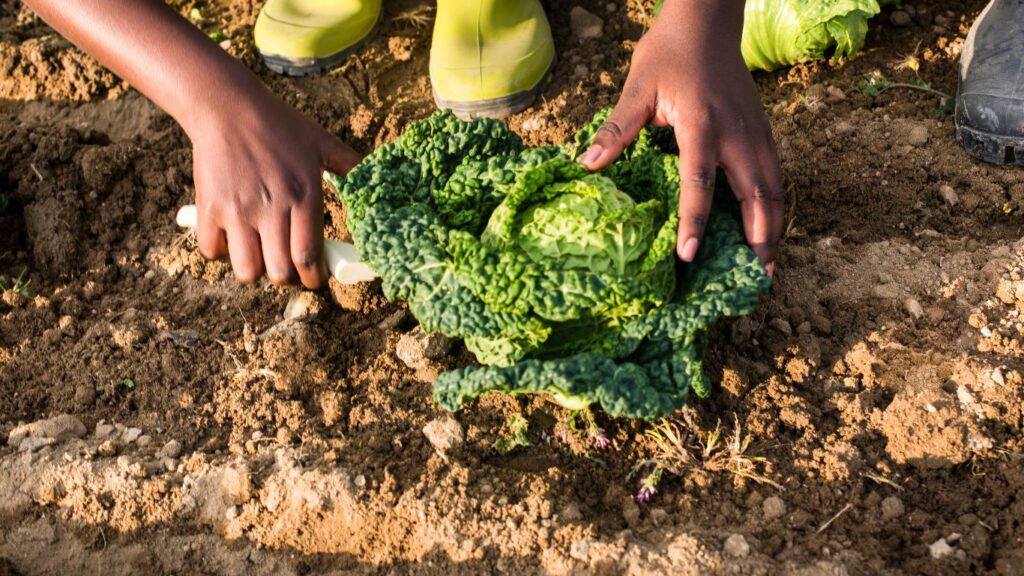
(342, 260)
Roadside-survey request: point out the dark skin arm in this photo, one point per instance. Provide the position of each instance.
(687, 72)
(257, 161)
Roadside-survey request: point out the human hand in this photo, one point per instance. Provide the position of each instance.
(687, 72)
(257, 174)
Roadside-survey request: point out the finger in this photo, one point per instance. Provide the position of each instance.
(307, 243)
(758, 201)
(630, 115)
(245, 252)
(275, 237)
(337, 157)
(697, 165)
(213, 244)
(772, 169)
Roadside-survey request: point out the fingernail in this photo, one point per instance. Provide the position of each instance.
(770, 268)
(690, 250)
(591, 155)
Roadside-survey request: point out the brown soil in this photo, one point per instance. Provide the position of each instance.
(880, 385)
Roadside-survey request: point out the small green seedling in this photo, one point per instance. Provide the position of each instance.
(127, 384)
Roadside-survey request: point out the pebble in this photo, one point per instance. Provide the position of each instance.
(303, 304)
(964, 395)
(172, 449)
(892, 507)
(170, 464)
(360, 481)
(918, 136)
(416, 347)
(106, 449)
(144, 440)
(130, 435)
(844, 128)
(773, 507)
(900, 19)
(948, 194)
(444, 434)
(584, 24)
(59, 428)
(535, 123)
(104, 430)
(781, 325)
(33, 443)
(231, 513)
(997, 377)
(940, 549)
(736, 546)
(913, 307)
(886, 291)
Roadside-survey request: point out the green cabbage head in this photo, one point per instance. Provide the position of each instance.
(560, 281)
(780, 33)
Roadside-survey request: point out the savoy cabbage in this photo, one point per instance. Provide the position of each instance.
(560, 281)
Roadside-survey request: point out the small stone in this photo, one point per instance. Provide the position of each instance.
(130, 435)
(997, 377)
(584, 24)
(781, 325)
(986, 332)
(940, 549)
(892, 507)
(59, 428)
(918, 135)
(535, 124)
(104, 430)
(948, 194)
(33, 443)
(231, 513)
(736, 546)
(303, 304)
(169, 464)
(144, 440)
(900, 19)
(393, 321)
(360, 481)
(964, 395)
(774, 507)
(886, 291)
(414, 348)
(444, 434)
(172, 449)
(844, 128)
(913, 307)
(107, 449)
(835, 94)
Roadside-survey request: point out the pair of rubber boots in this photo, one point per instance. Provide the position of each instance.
(488, 57)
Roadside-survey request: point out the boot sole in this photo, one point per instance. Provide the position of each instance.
(991, 148)
(306, 66)
(496, 107)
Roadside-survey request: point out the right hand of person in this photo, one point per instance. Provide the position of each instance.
(257, 171)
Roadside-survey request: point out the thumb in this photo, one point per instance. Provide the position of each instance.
(337, 157)
(630, 115)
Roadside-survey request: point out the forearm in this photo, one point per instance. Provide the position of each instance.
(159, 53)
(696, 18)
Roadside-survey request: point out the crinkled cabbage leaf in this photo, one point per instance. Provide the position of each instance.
(560, 281)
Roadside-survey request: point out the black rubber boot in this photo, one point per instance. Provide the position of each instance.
(990, 96)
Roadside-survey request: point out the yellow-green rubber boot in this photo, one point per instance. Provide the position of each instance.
(490, 57)
(299, 37)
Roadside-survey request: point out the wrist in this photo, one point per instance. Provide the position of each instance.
(227, 104)
(710, 18)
